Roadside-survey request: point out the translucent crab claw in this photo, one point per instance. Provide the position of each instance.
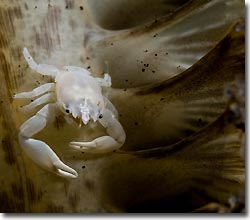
(46, 158)
(38, 150)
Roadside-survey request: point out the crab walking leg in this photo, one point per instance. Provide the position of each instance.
(43, 69)
(48, 87)
(39, 151)
(39, 101)
(104, 144)
(105, 81)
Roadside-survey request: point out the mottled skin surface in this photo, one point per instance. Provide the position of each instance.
(163, 116)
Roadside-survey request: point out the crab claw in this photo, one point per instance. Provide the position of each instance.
(64, 171)
(45, 157)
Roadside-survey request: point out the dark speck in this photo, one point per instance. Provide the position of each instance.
(83, 167)
(31, 100)
(81, 8)
(155, 35)
(166, 53)
(146, 65)
(143, 70)
(111, 44)
(162, 99)
(125, 90)
(35, 7)
(126, 80)
(67, 110)
(178, 67)
(19, 65)
(66, 6)
(156, 54)
(145, 51)
(1, 101)
(153, 71)
(87, 58)
(136, 123)
(88, 67)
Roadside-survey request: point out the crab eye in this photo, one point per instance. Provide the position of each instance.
(67, 110)
(100, 116)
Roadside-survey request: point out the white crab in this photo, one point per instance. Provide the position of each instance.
(78, 95)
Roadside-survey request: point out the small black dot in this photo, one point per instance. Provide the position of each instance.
(100, 116)
(136, 123)
(162, 99)
(66, 6)
(153, 71)
(126, 80)
(31, 100)
(143, 70)
(166, 53)
(81, 8)
(156, 54)
(145, 51)
(19, 65)
(83, 167)
(67, 110)
(1, 101)
(125, 90)
(88, 67)
(35, 6)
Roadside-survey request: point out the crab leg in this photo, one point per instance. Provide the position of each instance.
(105, 81)
(39, 101)
(43, 69)
(48, 87)
(104, 144)
(39, 151)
